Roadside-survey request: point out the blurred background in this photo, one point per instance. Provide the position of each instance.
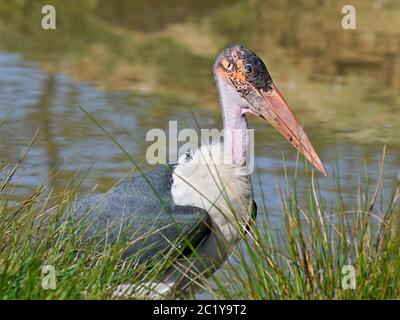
(137, 64)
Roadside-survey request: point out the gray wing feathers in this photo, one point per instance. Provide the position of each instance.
(150, 223)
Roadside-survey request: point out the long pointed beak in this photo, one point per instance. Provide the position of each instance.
(275, 110)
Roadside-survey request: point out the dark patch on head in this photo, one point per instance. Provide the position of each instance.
(244, 69)
(259, 75)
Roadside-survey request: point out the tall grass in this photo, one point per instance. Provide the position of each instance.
(305, 262)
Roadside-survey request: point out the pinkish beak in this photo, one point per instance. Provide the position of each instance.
(276, 111)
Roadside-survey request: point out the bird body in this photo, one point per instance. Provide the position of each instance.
(205, 201)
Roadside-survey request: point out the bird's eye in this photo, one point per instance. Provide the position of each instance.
(230, 66)
(248, 68)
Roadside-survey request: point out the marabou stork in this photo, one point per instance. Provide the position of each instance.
(201, 202)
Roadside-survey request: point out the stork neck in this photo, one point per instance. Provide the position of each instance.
(236, 138)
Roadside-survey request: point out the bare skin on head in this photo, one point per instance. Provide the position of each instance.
(243, 70)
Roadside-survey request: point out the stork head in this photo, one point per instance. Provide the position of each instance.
(242, 75)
